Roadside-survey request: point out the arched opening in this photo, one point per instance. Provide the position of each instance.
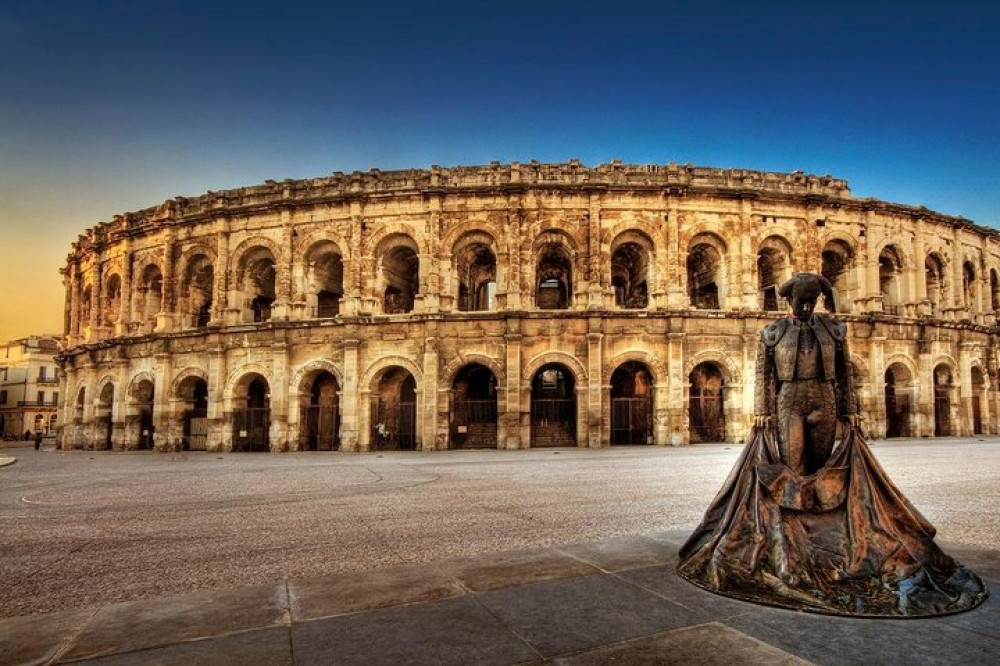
(553, 407)
(890, 271)
(196, 292)
(706, 404)
(51, 424)
(104, 416)
(252, 414)
(257, 281)
(325, 279)
(978, 398)
(942, 401)
(394, 411)
(319, 413)
(400, 275)
(630, 275)
(477, 276)
(193, 395)
(898, 396)
(969, 291)
(553, 277)
(838, 263)
(774, 266)
(934, 278)
(142, 395)
(474, 408)
(88, 294)
(112, 300)
(81, 398)
(705, 263)
(150, 297)
(631, 404)
(994, 291)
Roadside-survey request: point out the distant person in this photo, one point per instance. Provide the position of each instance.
(38, 440)
(27, 435)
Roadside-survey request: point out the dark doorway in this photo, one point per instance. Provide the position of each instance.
(320, 416)
(474, 408)
(252, 421)
(553, 407)
(104, 414)
(394, 412)
(142, 396)
(631, 404)
(194, 393)
(707, 413)
(978, 390)
(942, 401)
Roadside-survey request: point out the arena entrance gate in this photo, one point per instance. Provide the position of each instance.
(942, 401)
(474, 408)
(320, 417)
(706, 408)
(631, 404)
(394, 412)
(104, 414)
(553, 407)
(193, 391)
(897, 401)
(252, 422)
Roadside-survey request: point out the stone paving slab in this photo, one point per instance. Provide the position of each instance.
(710, 644)
(616, 601)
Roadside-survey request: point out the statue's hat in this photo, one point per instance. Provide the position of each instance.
(806, 285)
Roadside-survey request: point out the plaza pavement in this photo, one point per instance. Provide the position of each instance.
(614, 599)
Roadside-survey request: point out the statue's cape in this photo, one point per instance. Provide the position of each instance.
(844, 540)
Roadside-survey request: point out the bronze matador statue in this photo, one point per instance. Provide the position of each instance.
(807, 523)
(804, 376)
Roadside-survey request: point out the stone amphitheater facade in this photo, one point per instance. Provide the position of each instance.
(510, 306)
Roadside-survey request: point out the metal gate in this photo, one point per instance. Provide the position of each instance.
(977, 416)
(319, 428)
(195, 431)
(631, 421)
(897, 414)
(250, 429)
(942, 414)
(394, 426)
(475, 425)
(707, 417)
(107, 427)
(553, 422)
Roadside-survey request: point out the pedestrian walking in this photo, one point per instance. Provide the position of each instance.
(38, 440)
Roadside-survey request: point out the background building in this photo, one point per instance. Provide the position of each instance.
(510, 306)
(29, 385)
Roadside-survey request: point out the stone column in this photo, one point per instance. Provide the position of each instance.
(919, 273)
(164, 318)
(220, 427)
(873, 291)
(513, 297)
(746, 286)
(962, 304)
(73, 276)
(677, 424)
(676, 260)
(166, 435)
(350, 400)
(280, 310)
(278, 431)
(428, 405)
(95, 301)
(512, 424)
(125, 312)
(599, 292)
(594, 404)
(879, 422)
(964, 423)
(221, 272)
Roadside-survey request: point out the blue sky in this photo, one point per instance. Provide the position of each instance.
(115, 106)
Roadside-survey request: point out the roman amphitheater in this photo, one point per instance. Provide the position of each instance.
(510, 306)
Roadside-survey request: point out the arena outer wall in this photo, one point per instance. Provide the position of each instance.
(338, 312)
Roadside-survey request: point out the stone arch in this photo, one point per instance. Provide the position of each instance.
(905, 361)
(451, 370)
(305, 243)
(237, 256)
(309, 367)
(707, 271)
(476, 270)
(892, 266)
(708, 229)
(635, 231)
(194, 250)
(633, 268)
(142, 376)
(555, 356)
(730, 368)
(184, 374)
(398, 274)
(775, 264)
(101, 383)
(196, 292)
(384, 235)
(376, 367)
(455, 234)
(237, 375)
(321, 275)
(655, 365)
(555, 269)
(838, 264)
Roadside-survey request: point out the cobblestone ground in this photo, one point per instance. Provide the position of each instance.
(81, 528)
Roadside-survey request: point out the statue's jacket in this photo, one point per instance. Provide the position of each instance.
(777, 354)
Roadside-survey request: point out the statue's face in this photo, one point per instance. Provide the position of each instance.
(802, 307)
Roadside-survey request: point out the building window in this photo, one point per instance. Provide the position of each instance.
(41, 374)
(41, 397)
(55, 398)
(3, 397)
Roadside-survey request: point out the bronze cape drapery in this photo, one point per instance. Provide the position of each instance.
(843, 540)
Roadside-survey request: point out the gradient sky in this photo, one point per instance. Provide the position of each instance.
(107, 107)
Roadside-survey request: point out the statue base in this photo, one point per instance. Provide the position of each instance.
(842, 541)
